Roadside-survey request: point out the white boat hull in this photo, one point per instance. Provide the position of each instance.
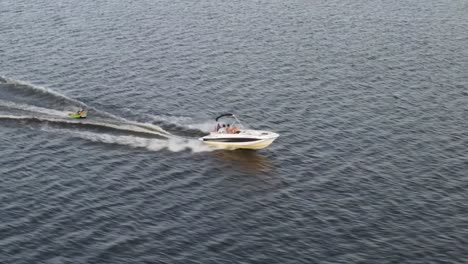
(246, 139)
(260, 144)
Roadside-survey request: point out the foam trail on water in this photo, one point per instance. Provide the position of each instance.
(186, 122)
(148, 126)
(34, 109)
(205, 127)
(122, 127)
(169, 141)
(20, 84)
(44, 90)
(41, 89)
(174, 144)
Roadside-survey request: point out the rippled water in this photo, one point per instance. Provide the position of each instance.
(370, 99)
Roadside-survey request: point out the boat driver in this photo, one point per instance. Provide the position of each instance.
(222, 129)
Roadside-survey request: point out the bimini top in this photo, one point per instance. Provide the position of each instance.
(223, 115)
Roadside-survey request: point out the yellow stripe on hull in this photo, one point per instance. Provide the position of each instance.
(260, 144)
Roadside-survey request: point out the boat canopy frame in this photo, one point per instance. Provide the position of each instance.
(236, 120)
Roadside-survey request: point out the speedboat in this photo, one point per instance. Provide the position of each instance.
(238, 137)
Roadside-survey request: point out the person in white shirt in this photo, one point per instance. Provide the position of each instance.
(222, 129)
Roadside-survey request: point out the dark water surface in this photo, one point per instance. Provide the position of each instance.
(370, 99)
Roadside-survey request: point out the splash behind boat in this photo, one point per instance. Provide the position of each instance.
(241, 139)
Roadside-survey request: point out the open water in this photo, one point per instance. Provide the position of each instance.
(370, 99)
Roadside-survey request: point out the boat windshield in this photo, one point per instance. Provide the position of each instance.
(234, 122)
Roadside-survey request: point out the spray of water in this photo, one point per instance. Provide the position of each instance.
(121, 127)
(173, 144)
(40, 89)
(34, 109)
(186, 122)
(165, 141)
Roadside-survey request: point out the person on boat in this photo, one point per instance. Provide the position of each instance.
(218, 126)
(228, 129)
(222, 129)
(234, 130)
